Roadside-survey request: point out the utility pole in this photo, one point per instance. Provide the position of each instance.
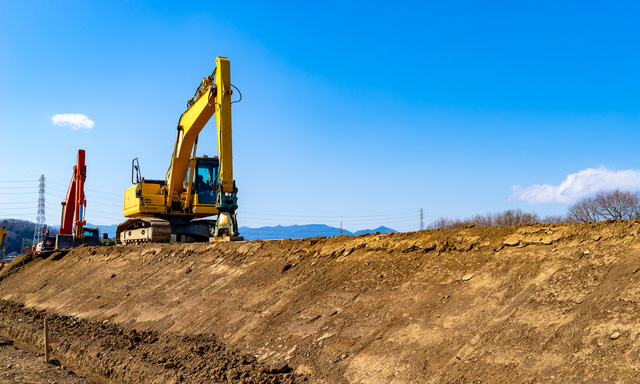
(37, 233)
(421, 220)
(341, 228)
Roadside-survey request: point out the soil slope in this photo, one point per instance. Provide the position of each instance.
(537, 303)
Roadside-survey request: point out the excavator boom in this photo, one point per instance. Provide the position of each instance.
(72, 227)
(74, 204)
(213, 96)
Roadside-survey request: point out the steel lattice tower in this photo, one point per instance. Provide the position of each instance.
(37, 234)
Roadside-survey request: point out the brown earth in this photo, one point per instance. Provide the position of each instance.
(537, 303)
(18, 366)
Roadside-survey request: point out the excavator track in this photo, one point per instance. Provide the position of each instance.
(144, 231)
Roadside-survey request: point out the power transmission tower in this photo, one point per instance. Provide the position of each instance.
(37, 234)
(421, 220)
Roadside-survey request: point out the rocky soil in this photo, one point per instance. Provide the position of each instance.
(536, 303)
(19, 366)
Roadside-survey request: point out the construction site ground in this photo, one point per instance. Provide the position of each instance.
(525, 304)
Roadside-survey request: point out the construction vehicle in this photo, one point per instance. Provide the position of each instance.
(48, 243)
(72, 230)
(194, 188)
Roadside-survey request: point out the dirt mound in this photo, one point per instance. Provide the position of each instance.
(494, 304)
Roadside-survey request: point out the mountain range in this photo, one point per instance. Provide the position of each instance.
(262, 233)
(277, 232)
(302, 231)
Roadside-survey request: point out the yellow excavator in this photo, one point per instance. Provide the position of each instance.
(194, 188)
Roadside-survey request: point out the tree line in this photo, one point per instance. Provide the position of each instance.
(605, 205)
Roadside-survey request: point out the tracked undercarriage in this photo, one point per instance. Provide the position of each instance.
(156, 230)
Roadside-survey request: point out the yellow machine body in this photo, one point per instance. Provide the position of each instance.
(149, 199)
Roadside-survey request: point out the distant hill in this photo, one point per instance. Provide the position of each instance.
(301, 231)
(20, 232)
(381, 229)
(277, 232)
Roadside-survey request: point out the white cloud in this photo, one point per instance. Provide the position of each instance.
(72, 120)
(578, 185)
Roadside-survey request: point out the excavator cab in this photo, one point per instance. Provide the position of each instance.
(206, 180)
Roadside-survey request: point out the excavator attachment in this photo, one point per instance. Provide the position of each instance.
(226, 228)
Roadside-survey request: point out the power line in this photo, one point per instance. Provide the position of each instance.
(56, 183)
(102, 199)
(18, 202)
(403, 214)
(277, 220)
(17, 214)
(103, 192)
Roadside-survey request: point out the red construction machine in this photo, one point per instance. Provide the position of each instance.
(72, 230)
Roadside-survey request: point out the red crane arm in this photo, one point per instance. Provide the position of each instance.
(73, 205)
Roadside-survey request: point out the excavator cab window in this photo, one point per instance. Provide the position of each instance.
(206, 178)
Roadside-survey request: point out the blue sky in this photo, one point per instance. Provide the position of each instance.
(353, 112)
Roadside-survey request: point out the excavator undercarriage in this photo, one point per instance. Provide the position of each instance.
(156, 230)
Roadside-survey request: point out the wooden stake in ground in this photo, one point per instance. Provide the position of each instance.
(48, 340)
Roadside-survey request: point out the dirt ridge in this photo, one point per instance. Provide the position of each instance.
(535, 303)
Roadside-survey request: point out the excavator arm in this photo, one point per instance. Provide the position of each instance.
(72, 220)
(213, 96)
(72, 226)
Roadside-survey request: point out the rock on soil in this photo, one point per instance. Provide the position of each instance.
(482, 304)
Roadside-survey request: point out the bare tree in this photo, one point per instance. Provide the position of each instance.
(616, 204)
(508, 217)
(584, 211)
(447, 223)
(515, 217)
(621, 205)
(554, 219)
